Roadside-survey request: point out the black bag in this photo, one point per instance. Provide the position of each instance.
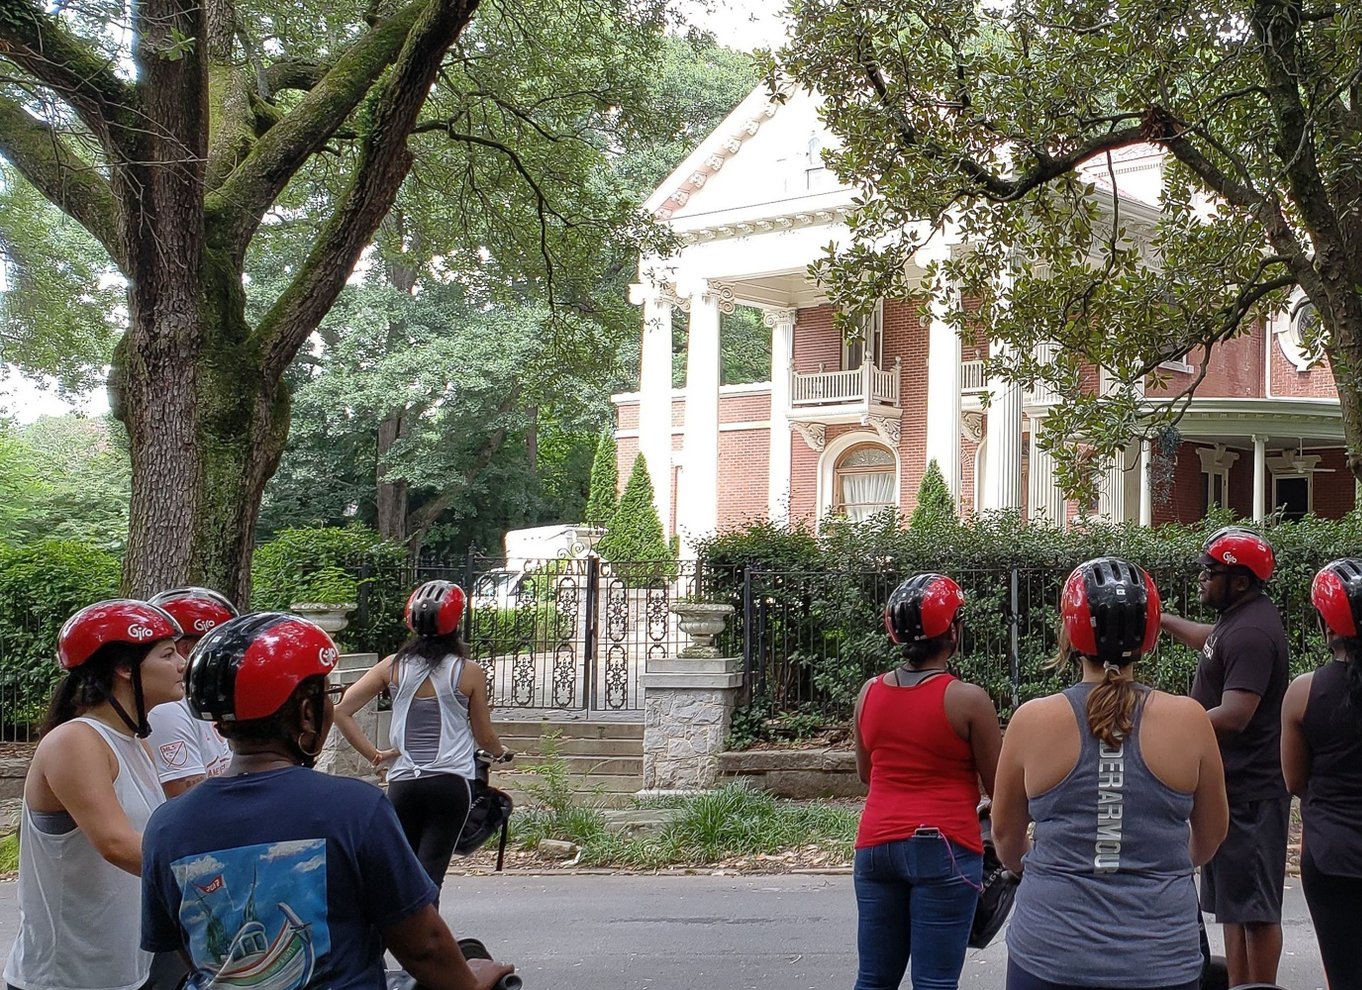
(490, 810)
(998, 893)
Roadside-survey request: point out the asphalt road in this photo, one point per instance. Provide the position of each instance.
(697, 932)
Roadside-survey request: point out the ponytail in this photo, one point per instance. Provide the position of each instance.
(920, 651)
(90, 684)
(1111, 705)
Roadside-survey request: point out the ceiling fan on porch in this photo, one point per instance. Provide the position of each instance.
(1303, 463)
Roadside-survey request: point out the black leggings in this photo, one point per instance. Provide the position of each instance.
(1333, 903)
(432, 811)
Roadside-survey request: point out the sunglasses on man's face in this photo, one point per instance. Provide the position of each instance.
(334, 692)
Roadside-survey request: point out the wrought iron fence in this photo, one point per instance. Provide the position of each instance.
(811, 638)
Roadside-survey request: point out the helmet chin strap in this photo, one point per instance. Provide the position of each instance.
(140, 728)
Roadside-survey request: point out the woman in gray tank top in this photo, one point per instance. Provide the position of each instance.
(440, 717)
(1127, 793)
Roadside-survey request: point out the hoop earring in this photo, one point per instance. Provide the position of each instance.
(310, 754)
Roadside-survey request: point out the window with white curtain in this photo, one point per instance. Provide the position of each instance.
(863, 482)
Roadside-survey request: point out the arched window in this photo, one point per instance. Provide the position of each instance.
(863, 482)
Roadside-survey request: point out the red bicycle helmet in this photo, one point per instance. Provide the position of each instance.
(1238, 546)
(249, 666)
(435, 608)
(120, 620)
(1336, 593)
(197, 610)
(1110, 610)
(922, 607)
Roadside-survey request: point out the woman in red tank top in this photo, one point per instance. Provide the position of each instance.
(924, 743)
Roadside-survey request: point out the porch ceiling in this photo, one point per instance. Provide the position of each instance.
(1280, 422)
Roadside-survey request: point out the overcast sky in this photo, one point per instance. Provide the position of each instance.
(742, 24)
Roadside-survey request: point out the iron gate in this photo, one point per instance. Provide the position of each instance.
(572, 633)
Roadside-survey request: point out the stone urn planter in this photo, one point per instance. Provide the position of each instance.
(701, 621)
(331, 617)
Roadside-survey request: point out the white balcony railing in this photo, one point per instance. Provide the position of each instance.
(866, 385)
(972, 377)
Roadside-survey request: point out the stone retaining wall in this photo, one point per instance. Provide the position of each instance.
(795, 773)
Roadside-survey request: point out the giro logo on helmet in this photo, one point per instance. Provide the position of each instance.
(328, 656)
(1229, 558)
(204, 625)
(139, 632)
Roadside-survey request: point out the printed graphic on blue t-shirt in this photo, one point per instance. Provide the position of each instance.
(255, 915)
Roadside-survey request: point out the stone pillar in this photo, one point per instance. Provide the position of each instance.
(1259, 479)
(687, 711)
(337, 755)
(781, 322)
(943, 397)
(1002, 466)
(655, 399)
(697, 506)
(1045, 499)
(1146, 484)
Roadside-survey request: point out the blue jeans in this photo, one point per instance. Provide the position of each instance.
(915, 898)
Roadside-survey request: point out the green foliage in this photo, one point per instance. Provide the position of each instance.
(63, 306)
(40, 587)
(935, 506)
(820, 602)
(603, 500)
(1005, 125)
(635, 532)
(308, 565)
(65, 477)
(9, 853)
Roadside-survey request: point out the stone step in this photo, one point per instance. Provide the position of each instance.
(575, 747)
(518, 729)
(591, 765)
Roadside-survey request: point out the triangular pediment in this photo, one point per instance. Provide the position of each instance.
(767, 151)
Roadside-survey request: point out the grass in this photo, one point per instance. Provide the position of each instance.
(9, 853)
(733, 821)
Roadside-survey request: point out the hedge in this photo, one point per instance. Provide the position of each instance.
(817, 599)
(41, 585)
(326, 563)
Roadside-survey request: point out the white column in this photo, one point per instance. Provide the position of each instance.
(697, 508)
(781, 322)
(1045, 499)
(1002, 467)
(943, 397)
(655, 400)
(1146, 485)
(1259, 479)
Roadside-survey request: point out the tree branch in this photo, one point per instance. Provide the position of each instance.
(43, 157)
(38, 43)
(987, 183)
(293, 73)
(257, 180)
(384, 160)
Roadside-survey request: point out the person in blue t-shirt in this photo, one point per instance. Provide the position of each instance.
(274, 875)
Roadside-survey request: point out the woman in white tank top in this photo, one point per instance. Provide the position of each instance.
(440, 717)
(88, 795)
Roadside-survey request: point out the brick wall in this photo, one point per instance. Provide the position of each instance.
(906, 338)
(1235, 371)
(1335, 494)
(1287, 382)
(816, 341)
